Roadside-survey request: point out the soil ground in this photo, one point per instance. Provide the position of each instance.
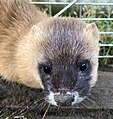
(20, 102)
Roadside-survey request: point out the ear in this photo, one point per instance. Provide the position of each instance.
(36, 34)
(92, 30)
(36, 30)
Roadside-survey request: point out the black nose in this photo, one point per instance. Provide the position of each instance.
(64, 100)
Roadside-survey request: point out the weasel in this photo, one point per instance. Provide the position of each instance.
(59, 55)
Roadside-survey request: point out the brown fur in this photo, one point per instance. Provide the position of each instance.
(16, 19)
(68, 38)
(25, 35)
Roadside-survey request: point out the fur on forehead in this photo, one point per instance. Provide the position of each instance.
(69, 37)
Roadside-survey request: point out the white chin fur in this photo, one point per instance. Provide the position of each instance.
(77, 98)
(50, 99)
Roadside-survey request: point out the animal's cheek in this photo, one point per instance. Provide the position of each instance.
(46, 81)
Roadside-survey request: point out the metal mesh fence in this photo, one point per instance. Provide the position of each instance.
(106, 32)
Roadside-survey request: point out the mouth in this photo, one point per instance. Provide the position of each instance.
(68, 99)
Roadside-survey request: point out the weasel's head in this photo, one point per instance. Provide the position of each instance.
(66, 58)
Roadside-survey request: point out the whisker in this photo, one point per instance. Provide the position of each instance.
(42, 105)
(36, 102)
(76, 106)
(84, 105)
(92, 102)
(51, 107)
(80, 116)
(93, 94)
(21, 111)
(27, 109)
(40, 100)
(105, 88)
(3, 113)
(98, 81)
(46, 111)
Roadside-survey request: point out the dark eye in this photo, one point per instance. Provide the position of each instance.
(84, 66)
(47, 69)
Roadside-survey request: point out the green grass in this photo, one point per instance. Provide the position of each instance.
(93, 12)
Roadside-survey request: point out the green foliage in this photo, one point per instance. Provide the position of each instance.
(93, 11)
